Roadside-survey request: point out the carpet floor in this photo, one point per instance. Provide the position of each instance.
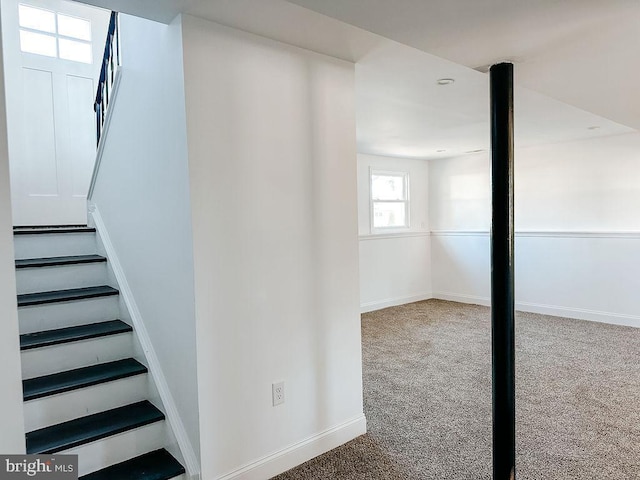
(427, 399)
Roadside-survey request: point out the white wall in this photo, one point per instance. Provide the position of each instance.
(578, 230)
(395, 268)
(272, 158)
(11, 415)
(142, 194)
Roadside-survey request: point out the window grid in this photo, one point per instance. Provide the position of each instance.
(76, 48)
(389, 200)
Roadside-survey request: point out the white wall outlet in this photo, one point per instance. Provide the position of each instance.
(277, 393)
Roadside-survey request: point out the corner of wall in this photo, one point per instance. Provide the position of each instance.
(12, 439)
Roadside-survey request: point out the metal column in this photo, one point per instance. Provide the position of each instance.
(502, 272)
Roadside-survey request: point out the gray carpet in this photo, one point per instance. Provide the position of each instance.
(427, 393)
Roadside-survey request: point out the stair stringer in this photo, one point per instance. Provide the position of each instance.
(177, 441)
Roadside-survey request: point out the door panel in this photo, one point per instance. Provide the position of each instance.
(80, 92)
(51, 123)
(39, 164)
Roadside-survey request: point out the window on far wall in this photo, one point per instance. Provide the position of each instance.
(52, 34)
(389, 200)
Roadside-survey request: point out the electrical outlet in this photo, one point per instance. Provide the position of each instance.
(277, 393)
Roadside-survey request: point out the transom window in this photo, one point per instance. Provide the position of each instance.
(53, 34)
(389, 200)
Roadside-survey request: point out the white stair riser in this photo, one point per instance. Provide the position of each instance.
(54, 245)
(67, 314)
(45, 279)
(118, 448)
(55, 409)
(67, 356)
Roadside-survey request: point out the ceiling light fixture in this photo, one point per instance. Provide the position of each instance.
(474, 151)
(593, 127)
(445, 81)
(441, 150)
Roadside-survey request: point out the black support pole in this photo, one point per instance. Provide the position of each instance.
(502, 273)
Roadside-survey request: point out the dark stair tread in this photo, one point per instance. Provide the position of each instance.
(72, 334)
(58, 261)
(27, 299)
(158, 465)
(94, 427)
(66, 225)
(80, 378)
(52, 229)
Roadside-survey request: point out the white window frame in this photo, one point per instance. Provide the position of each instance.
(373, 201)
(56, 35)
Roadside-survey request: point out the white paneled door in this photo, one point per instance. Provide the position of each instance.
(53, 51)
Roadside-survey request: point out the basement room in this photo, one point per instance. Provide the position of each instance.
(320, 239)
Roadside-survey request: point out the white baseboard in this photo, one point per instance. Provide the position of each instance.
(192, 464)
(300, 452)
(581, 314)
(392, 302)
(554, 310)
(462, 298)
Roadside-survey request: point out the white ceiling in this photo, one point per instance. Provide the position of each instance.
(402, 111)
(581, 52)
(477, 32)
(575, 63)
(163, 11)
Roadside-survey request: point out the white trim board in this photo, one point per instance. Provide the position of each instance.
(300, 452)
(539, 233)
(392, 302)
(192, 464)
(554, 310)
(460, 233)
(385, 236)
(630, 235)
(105, 131)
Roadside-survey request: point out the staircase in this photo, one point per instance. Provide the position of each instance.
(84, 393)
